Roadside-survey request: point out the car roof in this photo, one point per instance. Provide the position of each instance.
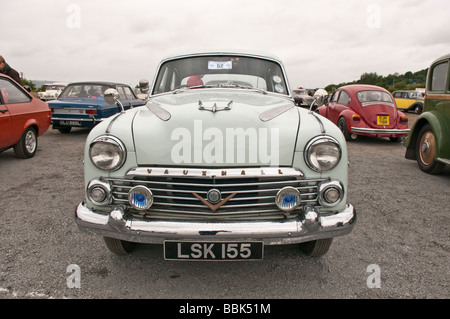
(362, 87)
(98, 83)
(265, 55)
(444, 57)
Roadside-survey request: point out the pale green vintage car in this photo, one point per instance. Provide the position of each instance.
(216, 165)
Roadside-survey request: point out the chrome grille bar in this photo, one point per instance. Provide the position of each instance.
(254, 195)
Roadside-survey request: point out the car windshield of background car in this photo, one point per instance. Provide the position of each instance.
(374, 97)
(221, 71)
(84, 91)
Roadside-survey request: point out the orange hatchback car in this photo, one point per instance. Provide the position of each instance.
(22, 118)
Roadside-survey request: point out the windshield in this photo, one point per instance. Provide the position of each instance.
(220, 71)
(373, 97)
(53, 87)
(84, 91)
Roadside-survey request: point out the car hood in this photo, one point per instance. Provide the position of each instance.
(371, 110)
(216, 129)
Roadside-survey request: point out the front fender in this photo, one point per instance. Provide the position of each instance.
(322, 110)
(440, 130)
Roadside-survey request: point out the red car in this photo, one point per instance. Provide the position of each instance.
(22, 118)
(365, 110)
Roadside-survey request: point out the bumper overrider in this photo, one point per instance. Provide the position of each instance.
(308, 226)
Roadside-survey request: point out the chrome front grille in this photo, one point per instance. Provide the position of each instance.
(254, 189)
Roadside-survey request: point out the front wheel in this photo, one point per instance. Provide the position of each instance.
(27, 145)
(117, 246)
(316, 248)
(426, 151)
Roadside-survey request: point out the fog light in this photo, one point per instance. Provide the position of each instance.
(288, 198)
(140, 197)
(330, 193)
(99, 192)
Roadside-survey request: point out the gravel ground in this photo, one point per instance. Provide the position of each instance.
(402, 233)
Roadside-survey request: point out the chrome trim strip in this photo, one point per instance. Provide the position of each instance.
(91, 119)
(443, 160)
(276, 111)
(379, 131)
(214, 173)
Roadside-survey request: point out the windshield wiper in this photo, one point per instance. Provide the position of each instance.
(184, 88)
(234, 85)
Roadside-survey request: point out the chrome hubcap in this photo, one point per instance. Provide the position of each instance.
(30, 142)
(427, 148)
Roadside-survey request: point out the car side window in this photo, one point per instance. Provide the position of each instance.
(438, 77)
(344, 98)
(11, 94)
(129, 93)
(335, 96)
(121, 91)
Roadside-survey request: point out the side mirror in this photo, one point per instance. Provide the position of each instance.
(27, 87)
(144, 86)
(111, 96)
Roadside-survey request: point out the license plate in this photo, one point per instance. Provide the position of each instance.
(188, 250)
(71, 123)
(383, 119)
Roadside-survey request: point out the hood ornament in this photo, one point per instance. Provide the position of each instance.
(214, 108)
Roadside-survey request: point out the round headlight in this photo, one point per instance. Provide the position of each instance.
(107, 153)
(140, 197)
(288, 198)
(322, 153)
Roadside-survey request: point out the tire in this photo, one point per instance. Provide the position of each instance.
(426, 151)
(418, 109)
(65, 129)
(342, 124)
(117, 246)
(27, 145)
(316, 248)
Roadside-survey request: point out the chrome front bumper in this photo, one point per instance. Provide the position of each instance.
(311, 226)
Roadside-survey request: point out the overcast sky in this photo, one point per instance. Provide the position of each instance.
(320, 41)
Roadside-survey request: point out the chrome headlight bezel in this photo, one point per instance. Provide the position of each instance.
(101, 187)
(114, 145)
(327, 187)
(329, 147)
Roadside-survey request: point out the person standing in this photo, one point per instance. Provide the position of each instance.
(7, 70)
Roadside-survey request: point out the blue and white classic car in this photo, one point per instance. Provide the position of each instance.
(81, 104)
(216, 165)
